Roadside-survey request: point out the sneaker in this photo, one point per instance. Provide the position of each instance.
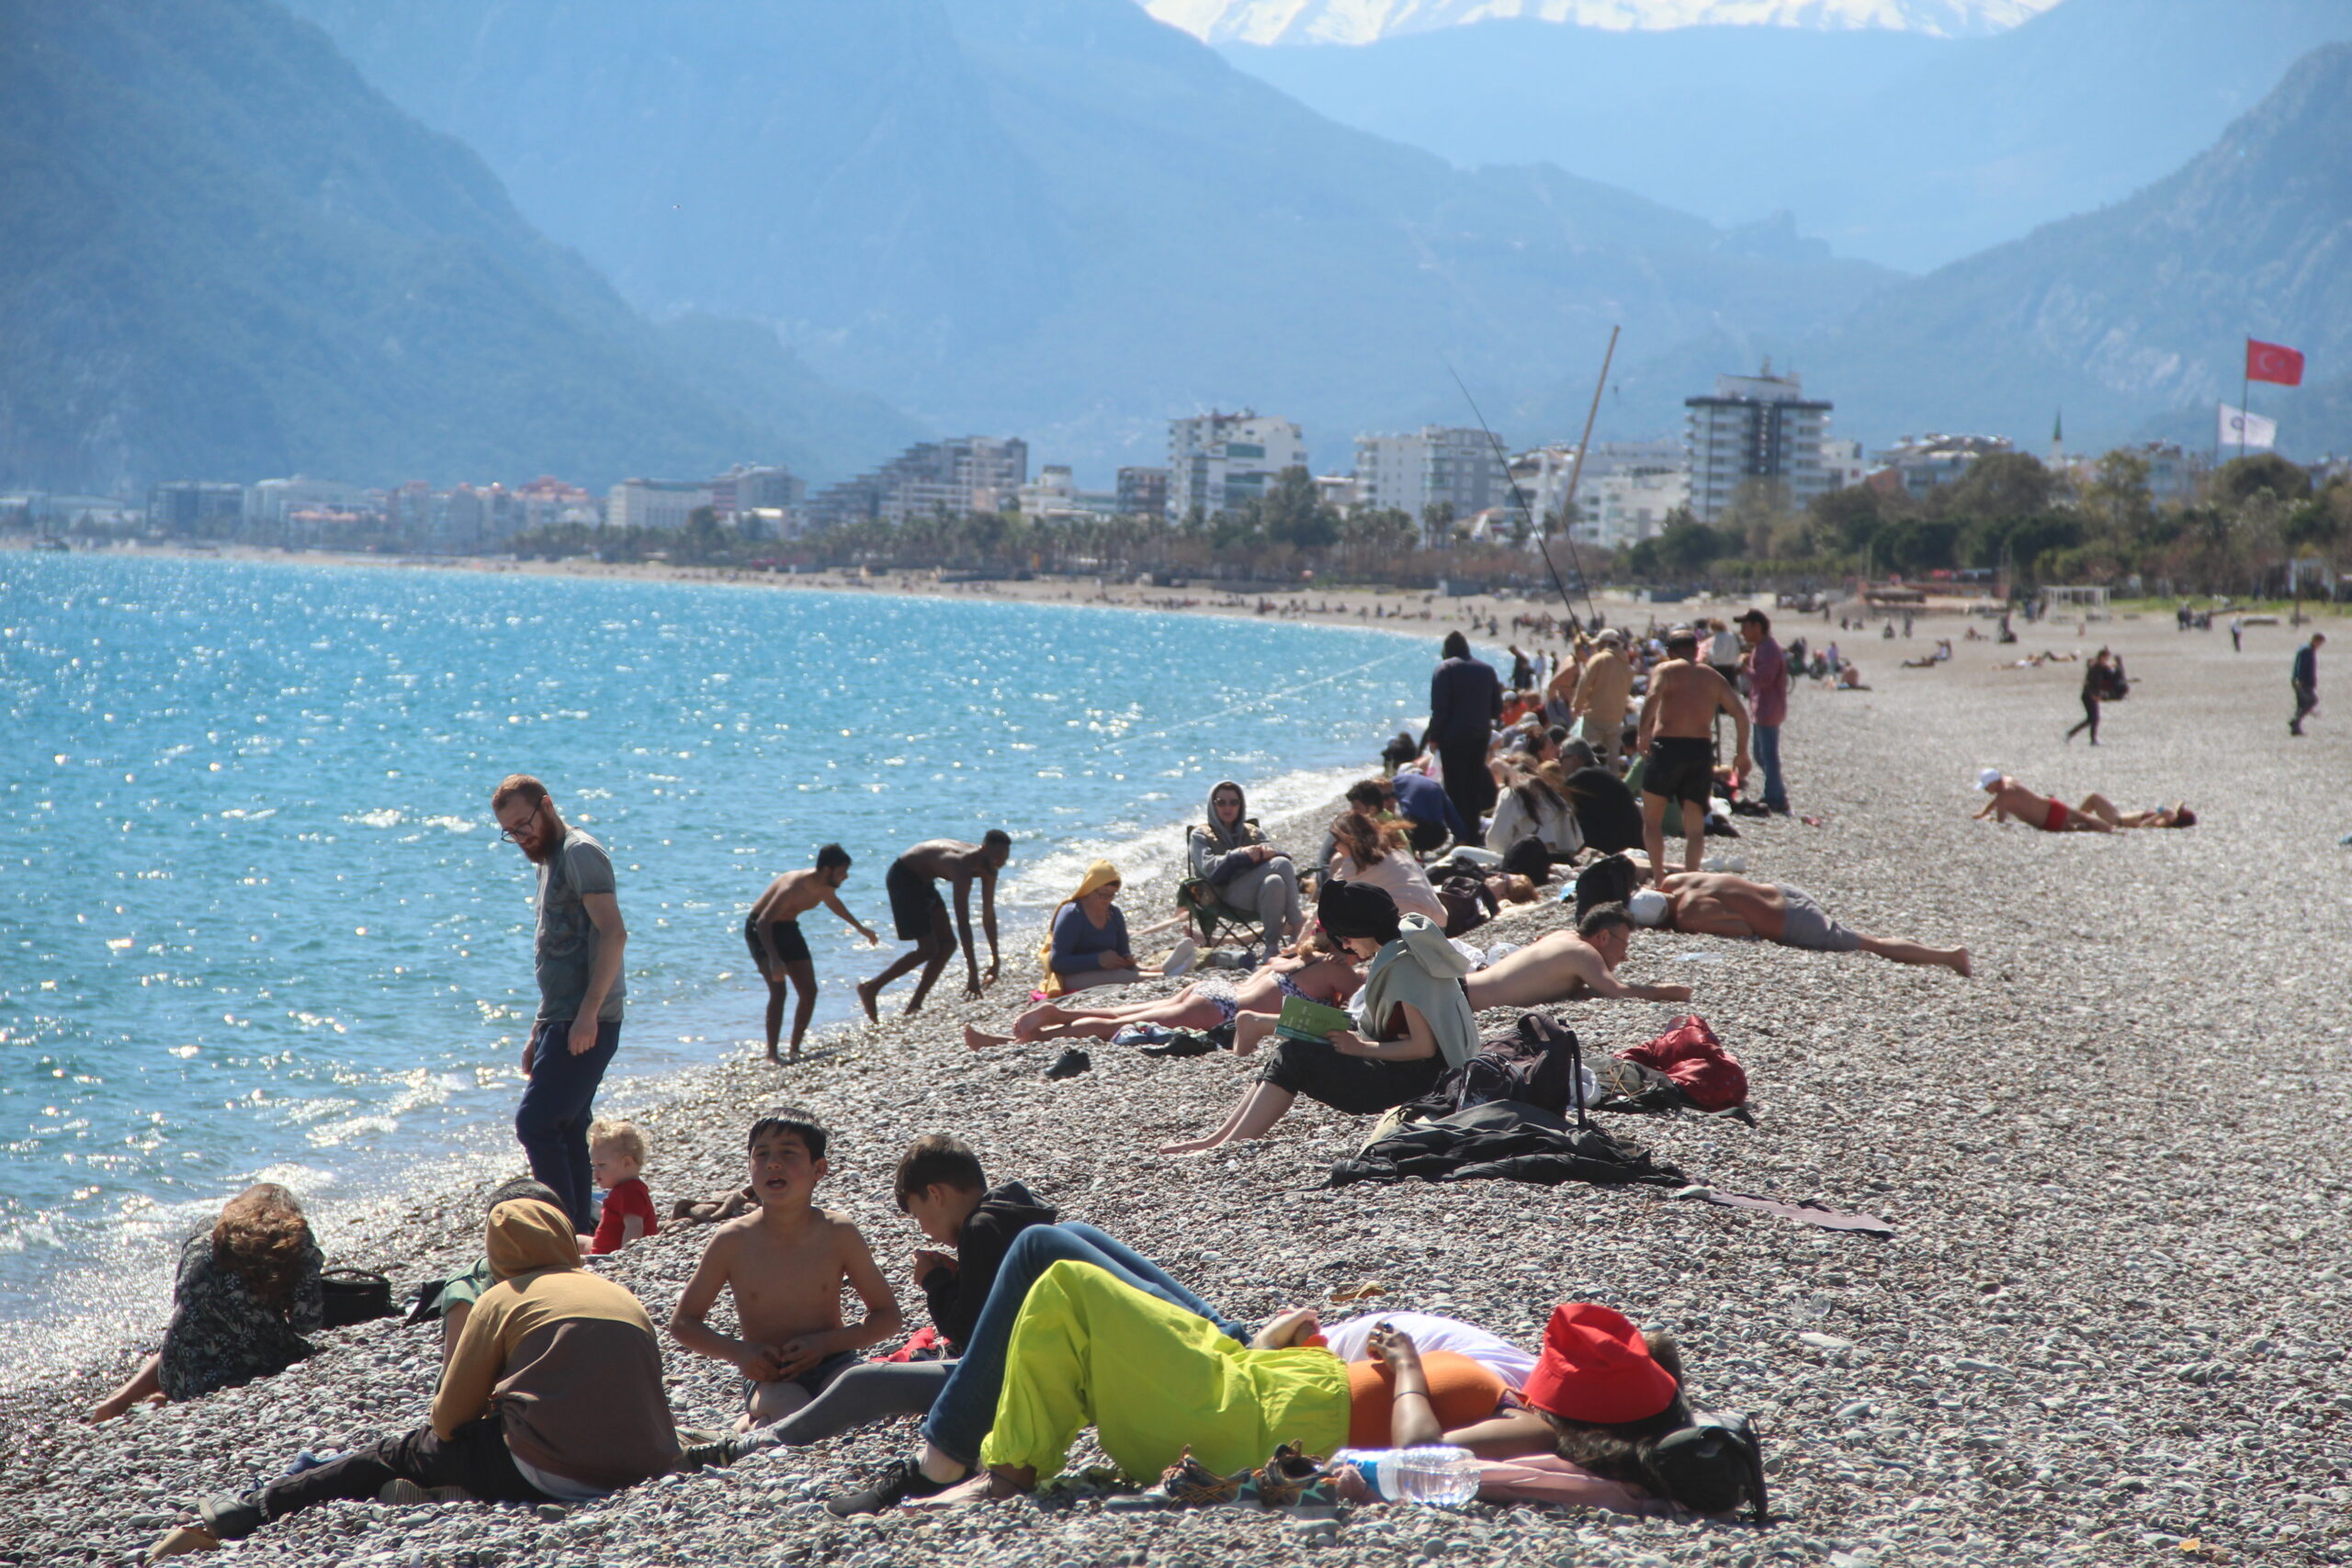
(402, 1493)
(717, 1454)
(1073, 1063)
(1181, 957)
(228, 1516)
(901, 1481)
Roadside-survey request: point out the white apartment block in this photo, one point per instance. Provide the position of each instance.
(1755, 428)
(1222, 462)
(654, 503)
(1924, 463)
(1436, 464)
(1626, 493)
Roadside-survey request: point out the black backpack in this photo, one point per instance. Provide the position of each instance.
(1611, 879)
(1715, 1465)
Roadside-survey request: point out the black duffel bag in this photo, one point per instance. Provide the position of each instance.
(354, 1295)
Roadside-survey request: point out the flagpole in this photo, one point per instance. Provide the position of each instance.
(2245, 391)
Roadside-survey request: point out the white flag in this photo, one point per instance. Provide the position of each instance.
(2251, 430)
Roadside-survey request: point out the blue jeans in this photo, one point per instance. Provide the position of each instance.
(965, 1409)
(1768, 757)
(559, 1102)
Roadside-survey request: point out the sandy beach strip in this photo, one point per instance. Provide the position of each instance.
(2109, 1324)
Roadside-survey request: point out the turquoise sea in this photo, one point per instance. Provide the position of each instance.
(256, 919)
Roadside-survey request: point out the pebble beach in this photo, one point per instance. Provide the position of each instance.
(2108, 1327)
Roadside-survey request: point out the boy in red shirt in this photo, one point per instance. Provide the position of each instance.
(615, 1155)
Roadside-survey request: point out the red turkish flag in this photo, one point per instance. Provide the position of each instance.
(2273, 361)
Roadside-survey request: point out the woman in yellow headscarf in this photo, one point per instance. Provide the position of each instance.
(1088, 944)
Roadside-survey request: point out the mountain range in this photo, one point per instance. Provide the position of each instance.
(1906, 149)
(228, 257)
(1054, 217)
(1368, 21)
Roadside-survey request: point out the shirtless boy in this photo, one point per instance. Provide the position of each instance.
(1563, 967)
(772, 932)
(786, 1265)
(1678, 745)
(921, 914)
(1707, 903)
(2046, 812)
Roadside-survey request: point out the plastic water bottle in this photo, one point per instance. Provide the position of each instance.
(1440, 1475)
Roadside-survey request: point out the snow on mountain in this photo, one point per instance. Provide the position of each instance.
(1366, 21)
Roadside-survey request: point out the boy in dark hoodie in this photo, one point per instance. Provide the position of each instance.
(554, 1394)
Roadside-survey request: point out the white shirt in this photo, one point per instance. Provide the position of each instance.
(1500, 1355)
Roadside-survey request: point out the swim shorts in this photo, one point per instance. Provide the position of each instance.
(1808, 926)
(2060, 815)
(791, 947)
(813, 1381)
(1680, 767)
(913, 900)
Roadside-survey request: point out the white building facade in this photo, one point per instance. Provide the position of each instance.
(654, 503)
(1435, 465)
(1222, 462)
(1755, 429)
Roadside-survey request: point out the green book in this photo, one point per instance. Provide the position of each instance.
(1303, 1019)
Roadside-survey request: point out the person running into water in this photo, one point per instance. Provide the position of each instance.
(1562, 966)
(921, 914)
(1707, 903)
(1678, 745)
(772, 930)
(1315, 973)
(2046, 812)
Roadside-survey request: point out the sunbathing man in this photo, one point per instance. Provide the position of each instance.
(1678, 745)
(1316, 974)
(1708, 903)
(921, 914)
(1564, 965)
(2046, 812)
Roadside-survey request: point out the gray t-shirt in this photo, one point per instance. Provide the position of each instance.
(564, 950)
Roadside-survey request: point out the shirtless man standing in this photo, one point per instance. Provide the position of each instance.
(921, 914)
(1707, 903)
(1677, 739)
(2046, 812)
(1563, 967)
(772, 932)
(786, 1265)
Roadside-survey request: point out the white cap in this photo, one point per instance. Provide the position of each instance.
(1988, 778)
(1648, 907)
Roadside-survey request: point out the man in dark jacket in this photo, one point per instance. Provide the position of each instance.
(2306, 679)
(1465, 699)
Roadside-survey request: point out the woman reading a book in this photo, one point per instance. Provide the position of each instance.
(1417, 1023)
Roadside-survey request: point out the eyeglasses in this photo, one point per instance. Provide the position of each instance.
(514, 835)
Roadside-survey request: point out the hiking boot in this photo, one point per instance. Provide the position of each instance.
(402, 1493)
(903, 1480)
(181, 1541)
(1073, 1063)
(229, 1516)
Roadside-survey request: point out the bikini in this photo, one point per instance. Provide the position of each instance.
(1229, 1004)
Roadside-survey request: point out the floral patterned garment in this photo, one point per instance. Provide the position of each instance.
(220, 1335)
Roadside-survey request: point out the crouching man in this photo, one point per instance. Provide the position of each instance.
(553, 1393)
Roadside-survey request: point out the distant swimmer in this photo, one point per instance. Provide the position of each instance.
(772, 930)
(1677, 746)
(921, 914)
(1707, 903)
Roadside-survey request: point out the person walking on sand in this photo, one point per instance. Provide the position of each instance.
(1768, 691)
(920, 913)
(577, 949)
(780, 952)
(1678, 747)
(2096, 676)
(2306, 681)
(1465, 699)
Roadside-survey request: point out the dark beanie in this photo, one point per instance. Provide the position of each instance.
(1353, 909)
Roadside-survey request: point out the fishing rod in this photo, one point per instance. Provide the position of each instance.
(1568, 504)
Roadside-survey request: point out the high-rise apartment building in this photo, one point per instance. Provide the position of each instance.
(1437, 464)
(1755, 429)
(973, 473)
(1222, 462)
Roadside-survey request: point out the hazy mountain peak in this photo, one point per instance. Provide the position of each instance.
(1367, 21)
